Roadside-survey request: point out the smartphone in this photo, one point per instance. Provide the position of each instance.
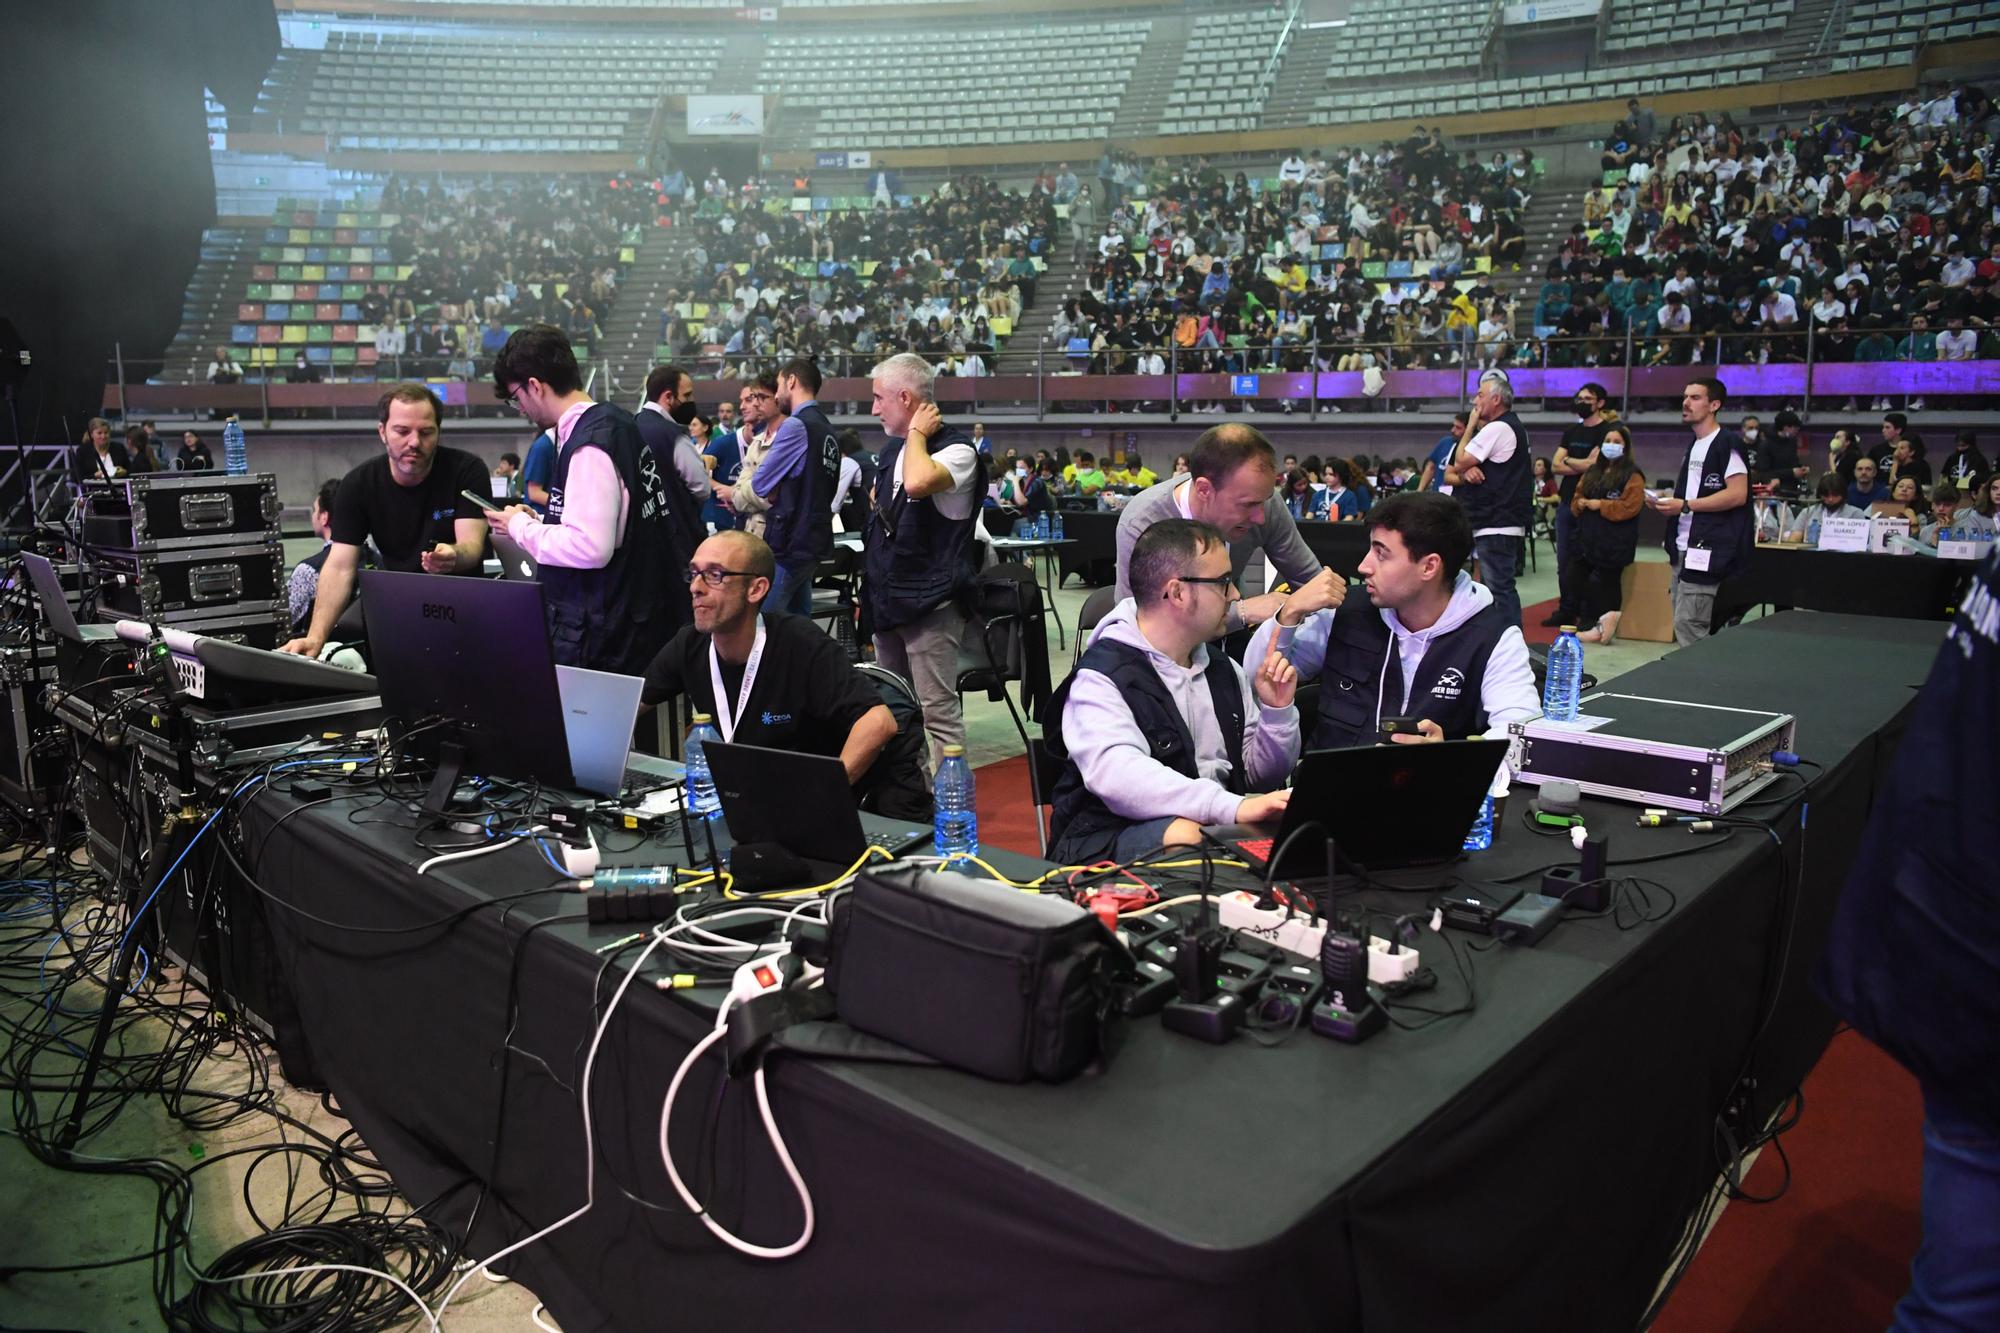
(1405, 726)
(484, 502)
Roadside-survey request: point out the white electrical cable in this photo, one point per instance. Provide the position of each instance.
(589, 1136)
(536, 1315)
(487, 849)
(721, 1232)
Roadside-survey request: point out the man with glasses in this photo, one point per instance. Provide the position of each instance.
(606, 543)
(781, 682)
(1160, 733)
(408, 502)
(758, 399)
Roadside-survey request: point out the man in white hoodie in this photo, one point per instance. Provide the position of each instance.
(1162, 733)
(1427, 644)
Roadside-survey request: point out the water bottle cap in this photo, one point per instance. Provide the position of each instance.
(954, 751)
(1569, 629)
(702, 718)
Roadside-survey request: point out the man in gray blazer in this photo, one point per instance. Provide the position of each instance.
(1232, 484)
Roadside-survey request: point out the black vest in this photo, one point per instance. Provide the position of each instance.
(591, 612)
(1606, 544)
(917, 559)
(1082, 829)
(800, 527)
(1729, 536)
(1363, 677)
(1506, 499)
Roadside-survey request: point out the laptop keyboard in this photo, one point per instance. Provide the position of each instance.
(1257, 849)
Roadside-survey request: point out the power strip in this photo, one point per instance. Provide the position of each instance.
(1302, 935)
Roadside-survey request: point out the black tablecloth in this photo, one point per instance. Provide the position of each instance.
(1527, 1165)
(1853, 583)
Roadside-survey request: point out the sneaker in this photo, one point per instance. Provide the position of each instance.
(1916, 404)
(1558, 618)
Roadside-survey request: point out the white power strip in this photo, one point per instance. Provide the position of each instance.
(1302, 935)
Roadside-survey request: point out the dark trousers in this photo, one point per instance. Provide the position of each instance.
(1565, 527)
(1597, 588)
(1499, 560)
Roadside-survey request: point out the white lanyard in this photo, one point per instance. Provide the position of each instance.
(727, 717)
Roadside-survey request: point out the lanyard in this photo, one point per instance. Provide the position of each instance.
(727, 717)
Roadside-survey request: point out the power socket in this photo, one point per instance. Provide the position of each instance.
(1302, 935)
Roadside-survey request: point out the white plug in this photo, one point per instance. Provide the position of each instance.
(1577, 836)
(579, 862)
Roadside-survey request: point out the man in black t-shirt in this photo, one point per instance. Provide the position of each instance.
(785, 684)
(408, 502)
(1573, 458)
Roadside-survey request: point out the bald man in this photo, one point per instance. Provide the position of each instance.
(781, 682)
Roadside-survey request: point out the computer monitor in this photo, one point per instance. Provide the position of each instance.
(467, 677)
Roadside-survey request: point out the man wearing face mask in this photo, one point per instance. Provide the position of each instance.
(1574, 456)
(663, 419)
(1775, 460)
(1832, 504)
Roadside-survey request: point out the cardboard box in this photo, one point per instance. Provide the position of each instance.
(1649, 602)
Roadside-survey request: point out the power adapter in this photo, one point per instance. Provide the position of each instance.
(1534, 916)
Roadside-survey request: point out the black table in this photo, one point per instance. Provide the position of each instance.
(1850, 582)
(1527, 1165)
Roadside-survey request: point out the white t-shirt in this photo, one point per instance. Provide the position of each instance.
(1697, 468)
(961, 462)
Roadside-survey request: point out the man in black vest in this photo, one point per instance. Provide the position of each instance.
(797, 479)
(1427, 642)
(921, 548)
(1493, 477)
(605, 546)
(1712, 536)
(663, 424)
(1161, 733)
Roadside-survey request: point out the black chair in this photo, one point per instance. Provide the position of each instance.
(834, 587)
(1043, 771)
(898, 785)
(1095, 607)
(1006, 610)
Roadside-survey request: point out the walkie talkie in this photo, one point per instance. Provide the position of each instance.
(1345, 1011)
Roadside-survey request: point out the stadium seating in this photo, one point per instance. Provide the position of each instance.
(574, 94)
(1877, 28)
(1012, 84)
(1646, 23)
(1644, 79)
(1386, 38)
(1226, 72)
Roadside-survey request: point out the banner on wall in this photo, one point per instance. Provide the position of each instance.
(1549, 11)
(710, 114)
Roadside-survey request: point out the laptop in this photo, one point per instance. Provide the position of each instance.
(1385, 806)
(515, 562)
(55, 603)
(599, 709)
(802, 802)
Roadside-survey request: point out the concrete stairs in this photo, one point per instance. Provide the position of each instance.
(1301, 76)
(632, 329)
(1808, 39)
(1058, 282)
(1152, 81)
(208, 308)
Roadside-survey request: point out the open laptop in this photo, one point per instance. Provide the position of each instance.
(55, 602)
(515, 562)
(802, 802)
(1384, 806)
(599, 709)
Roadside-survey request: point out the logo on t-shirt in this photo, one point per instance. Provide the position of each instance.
(1449, 685)
(776, 719)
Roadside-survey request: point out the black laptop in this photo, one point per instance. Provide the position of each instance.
(1384, 805)
(801, 802)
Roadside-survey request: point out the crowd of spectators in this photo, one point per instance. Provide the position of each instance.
(489, 254)
(1237, 274)
(1871, 225)
(942, 276)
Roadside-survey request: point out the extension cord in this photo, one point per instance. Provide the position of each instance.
(1302, 935)
(579, 862)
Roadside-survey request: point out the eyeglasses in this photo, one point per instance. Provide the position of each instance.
(1216, 580)
(512, 400)
(714, 577)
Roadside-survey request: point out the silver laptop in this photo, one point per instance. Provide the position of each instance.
(515, 562)
(55, 602)
(600, 708)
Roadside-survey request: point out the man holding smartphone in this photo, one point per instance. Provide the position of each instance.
(409, 502)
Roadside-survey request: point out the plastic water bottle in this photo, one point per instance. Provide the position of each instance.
(1055, 525)
(1565, 677)
(956, 827)
(235, 458)
(701, 797)
(1481, 835)
(1041, 526)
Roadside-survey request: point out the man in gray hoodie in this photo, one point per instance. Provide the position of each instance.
(1160, 733)
(1427, 642)
(1232, 483)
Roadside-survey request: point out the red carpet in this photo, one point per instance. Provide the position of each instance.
(1834, 1253)
(1532, 617)
(1006, 812)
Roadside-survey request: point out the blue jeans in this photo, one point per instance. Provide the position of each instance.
(1499, 559)
(1955, 1279)
(792, 590)
(1139, 839)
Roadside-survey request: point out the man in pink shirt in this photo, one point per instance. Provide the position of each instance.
(607, 543)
